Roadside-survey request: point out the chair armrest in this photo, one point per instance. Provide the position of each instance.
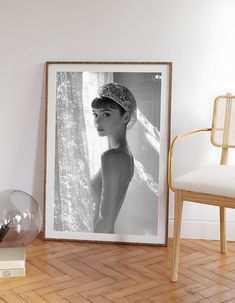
(171, 152)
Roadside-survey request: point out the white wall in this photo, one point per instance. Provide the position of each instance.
(198, 36)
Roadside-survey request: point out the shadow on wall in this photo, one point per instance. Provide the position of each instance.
(38, 184)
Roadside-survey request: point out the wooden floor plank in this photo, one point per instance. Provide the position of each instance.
(107, 271)
(223, 297)
(131, 290)
(86, 287)
(32, 297)
(11, 297)
(55, 298)
(214, 290)
(76, 298)
(41, 284)
(63, 286)
(108, 288)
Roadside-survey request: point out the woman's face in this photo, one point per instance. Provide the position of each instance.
(108, 121)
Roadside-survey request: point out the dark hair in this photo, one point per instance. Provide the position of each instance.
(105, 102)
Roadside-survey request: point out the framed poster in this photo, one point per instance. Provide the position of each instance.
(107, 139)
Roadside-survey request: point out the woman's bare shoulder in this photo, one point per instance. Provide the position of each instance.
(115, 153)
(115, 158)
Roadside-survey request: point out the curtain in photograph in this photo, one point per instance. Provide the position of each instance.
(73, 200)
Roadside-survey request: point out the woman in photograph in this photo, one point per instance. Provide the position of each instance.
(114, 109)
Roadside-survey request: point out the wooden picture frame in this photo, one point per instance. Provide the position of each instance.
(73, 152)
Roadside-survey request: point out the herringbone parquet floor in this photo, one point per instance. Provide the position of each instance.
(62, 272)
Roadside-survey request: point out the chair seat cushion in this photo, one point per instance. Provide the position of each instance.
(213, 179)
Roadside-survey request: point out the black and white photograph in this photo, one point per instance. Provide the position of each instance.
(107, 137)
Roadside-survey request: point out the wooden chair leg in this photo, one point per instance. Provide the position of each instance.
(223, 242)
(176, 236)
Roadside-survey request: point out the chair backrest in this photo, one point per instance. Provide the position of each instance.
(223, 124)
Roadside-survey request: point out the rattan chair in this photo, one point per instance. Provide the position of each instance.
(214, 184)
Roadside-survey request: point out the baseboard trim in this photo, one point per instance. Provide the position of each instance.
(201, 229)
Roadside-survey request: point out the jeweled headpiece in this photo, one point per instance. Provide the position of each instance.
(121, 95)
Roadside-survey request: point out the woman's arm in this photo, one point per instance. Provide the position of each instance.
(96, 187)
(114, 166)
